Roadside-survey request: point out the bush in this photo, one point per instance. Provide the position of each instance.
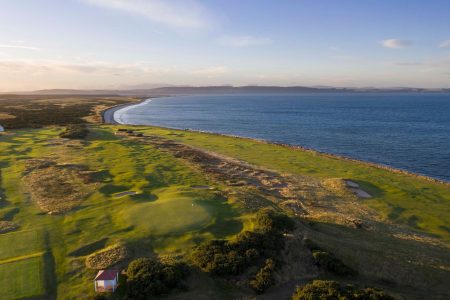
(269, 220)
(332, 264)
(75, 131)
(150, 277)
(223, 258)
(264, 278)
(332, 290)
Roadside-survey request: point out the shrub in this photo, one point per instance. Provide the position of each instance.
(264, 278)
(332, 290)
(332, 264)
(150, 277)
(223, 258)
(75, 131)
(269, 220)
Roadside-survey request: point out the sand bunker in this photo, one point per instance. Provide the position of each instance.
(355, 188)
(127, 193)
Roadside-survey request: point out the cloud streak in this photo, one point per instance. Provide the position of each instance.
(241, 41)
(445, 44)
(396, 43)
(20, 47)
(178, 14)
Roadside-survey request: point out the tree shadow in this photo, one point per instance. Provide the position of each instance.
(89, 248)
(226, 222)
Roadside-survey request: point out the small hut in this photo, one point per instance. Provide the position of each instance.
(106, 281)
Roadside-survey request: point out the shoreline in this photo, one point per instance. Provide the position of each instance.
(108, 114)
(108, 118)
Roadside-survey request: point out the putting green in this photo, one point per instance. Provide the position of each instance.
(173, 212)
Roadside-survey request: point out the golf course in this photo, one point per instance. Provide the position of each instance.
(135, 192)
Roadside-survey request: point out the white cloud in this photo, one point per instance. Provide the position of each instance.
(88, 67)
(20, 47)
(396, 43)
(179, 14)
(243, 41)
(445, 44)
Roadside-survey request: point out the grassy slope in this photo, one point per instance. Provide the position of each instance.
(400, 198)
(153, 221)
(166, 216)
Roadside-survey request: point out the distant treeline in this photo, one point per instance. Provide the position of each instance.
(38, 111)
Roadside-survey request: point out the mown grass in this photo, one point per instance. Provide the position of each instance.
(166, 215)
(20, 243)
(400, 198)
(22, 279)
(160, 218)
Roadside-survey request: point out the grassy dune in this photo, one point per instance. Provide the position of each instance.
(167, 214)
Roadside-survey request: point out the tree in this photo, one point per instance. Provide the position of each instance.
(149, 277)
(332, 290)
(264, 278)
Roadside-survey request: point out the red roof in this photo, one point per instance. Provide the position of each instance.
(107, 274)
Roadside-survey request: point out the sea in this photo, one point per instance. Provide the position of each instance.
(408, 131)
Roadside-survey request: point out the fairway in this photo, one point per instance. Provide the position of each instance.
(20, 243)
(22, 279)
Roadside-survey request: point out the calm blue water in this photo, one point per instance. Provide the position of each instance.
(406, 131)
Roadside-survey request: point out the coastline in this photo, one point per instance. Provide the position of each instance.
(108, 118)
(108, 114)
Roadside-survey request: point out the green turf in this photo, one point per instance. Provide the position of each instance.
(421, 204)
(159, 218)
(20, 243)
(166, 215)
(22, 279)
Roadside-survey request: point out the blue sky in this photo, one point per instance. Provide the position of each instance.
(137, 43)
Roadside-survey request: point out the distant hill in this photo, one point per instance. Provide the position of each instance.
(192, 90)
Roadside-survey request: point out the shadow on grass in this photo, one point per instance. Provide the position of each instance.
(49, 270)
(110, 189)
(386, 260)
(9, 214)
(372, 189)
(143, 197)
(225, 215)
(89, 248)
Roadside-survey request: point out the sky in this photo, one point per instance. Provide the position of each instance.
(104, 44)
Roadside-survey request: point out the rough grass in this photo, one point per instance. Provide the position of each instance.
(106, 258)
(399, 198)
(160, 218)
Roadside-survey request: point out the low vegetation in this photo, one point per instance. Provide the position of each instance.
(331, 290)
(57, 188)
(258, 248)
(7, 226)
(148, 277)
(265, 277)
(35, 111)
(106, 258)
(75, 131)
(328, 261)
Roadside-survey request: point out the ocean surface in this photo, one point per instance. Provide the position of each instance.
(406, 131)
